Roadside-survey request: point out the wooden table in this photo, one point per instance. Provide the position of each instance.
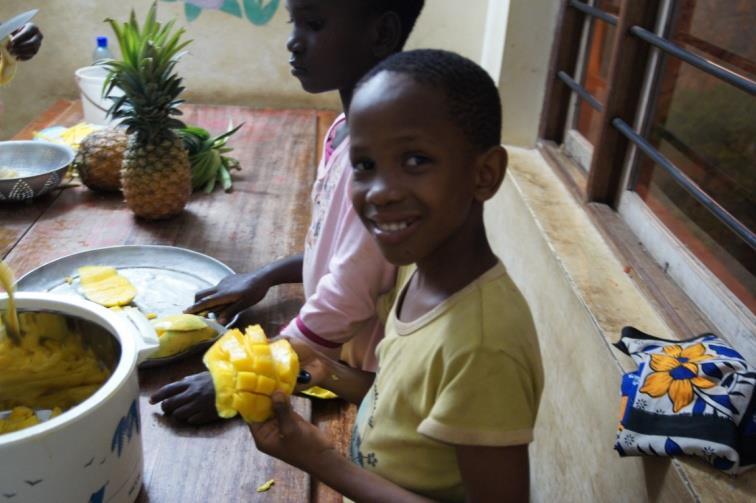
(264, 218)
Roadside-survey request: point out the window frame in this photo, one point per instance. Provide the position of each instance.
(635, 71)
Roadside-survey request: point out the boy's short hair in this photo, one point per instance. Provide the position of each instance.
(473, 99)
(407, 10)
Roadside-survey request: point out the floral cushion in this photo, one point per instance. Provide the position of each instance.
(693, 397)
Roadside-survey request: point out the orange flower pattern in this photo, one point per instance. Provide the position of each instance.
(676, 374)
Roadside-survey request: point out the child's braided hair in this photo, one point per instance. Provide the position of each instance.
(472, 97)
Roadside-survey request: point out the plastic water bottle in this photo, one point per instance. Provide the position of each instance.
(101, 52)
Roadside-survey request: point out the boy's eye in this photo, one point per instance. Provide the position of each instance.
(416, 160)
(360, 166)
(316, 25)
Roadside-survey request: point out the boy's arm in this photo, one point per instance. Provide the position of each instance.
(349, 383)
(359, 484)
(296, 441)
(494, 473)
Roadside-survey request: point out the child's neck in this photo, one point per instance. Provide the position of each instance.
(462, 259)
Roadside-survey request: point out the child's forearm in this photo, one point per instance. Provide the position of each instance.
(285, 270)
(349, 383)
(357, 483)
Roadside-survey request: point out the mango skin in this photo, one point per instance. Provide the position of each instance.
(178, 332)
(247, 370)
(103, 285)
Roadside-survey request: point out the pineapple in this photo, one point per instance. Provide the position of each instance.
(156, 175)
(99, 159)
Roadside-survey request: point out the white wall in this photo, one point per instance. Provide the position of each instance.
(231, 60)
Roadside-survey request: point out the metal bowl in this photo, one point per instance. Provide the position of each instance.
(39, 166)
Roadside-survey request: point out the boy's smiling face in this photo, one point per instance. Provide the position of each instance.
(329, 44)
(414, 182)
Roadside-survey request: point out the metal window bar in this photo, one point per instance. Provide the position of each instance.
(595, 12)
(705, 65)
(580, 90)
(689, 185)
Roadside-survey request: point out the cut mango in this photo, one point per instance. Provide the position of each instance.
(247, 370)
(103, 285)
(179, 332)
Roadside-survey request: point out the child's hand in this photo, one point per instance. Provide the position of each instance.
(234, 293)
(25, 42)
(288, 437)
(192, 399)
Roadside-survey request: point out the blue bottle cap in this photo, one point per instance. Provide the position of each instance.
(102, 41)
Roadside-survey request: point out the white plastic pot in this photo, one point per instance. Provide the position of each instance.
(91, 453)
(90, 80)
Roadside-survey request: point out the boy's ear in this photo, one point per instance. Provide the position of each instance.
(489, 172)
(387, 35)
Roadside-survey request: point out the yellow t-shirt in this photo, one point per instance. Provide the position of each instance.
(468, 373)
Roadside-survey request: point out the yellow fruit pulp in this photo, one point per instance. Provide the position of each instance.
(11, 318)
(7, 63)
(246, 370)
(179, 332)
(22, 417)
(49, 368)
(103, 285)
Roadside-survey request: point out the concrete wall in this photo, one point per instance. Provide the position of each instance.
(231, 59)
(581, 298)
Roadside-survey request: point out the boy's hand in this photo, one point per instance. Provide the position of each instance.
(191, 400)
(25, 42)
(288, 437)
(233, 294)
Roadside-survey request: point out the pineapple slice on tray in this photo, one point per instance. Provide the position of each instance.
(156, 175)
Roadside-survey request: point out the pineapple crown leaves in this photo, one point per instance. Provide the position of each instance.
(146, 75)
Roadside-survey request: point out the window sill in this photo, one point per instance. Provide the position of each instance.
(589, 254)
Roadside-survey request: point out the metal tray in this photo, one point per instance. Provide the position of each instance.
(166, 278)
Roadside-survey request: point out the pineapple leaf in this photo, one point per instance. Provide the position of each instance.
(146, 74)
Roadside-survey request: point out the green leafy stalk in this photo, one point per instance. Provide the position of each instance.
(206, 154)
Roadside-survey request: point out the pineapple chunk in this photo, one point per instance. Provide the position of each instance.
(246, 370)
(103, 285)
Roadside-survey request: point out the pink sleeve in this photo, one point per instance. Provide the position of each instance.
(343, 303)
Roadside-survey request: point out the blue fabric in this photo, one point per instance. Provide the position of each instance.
(693, 397)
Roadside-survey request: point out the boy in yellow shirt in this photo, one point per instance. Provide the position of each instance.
(451, 410)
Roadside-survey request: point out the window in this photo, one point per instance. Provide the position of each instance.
(655, 100)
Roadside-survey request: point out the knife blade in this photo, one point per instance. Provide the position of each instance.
(15, 23)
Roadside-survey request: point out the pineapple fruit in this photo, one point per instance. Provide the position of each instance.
(103, 285)
(99, 159)
(246, 370)
(156, 175)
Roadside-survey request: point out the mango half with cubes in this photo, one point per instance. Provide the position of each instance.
(246, 370)
(103, 285)
(179, 332)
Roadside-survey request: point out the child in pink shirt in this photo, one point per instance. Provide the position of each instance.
(332, 44)
(343, 271)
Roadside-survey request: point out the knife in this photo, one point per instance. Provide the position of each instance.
(15, 23)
